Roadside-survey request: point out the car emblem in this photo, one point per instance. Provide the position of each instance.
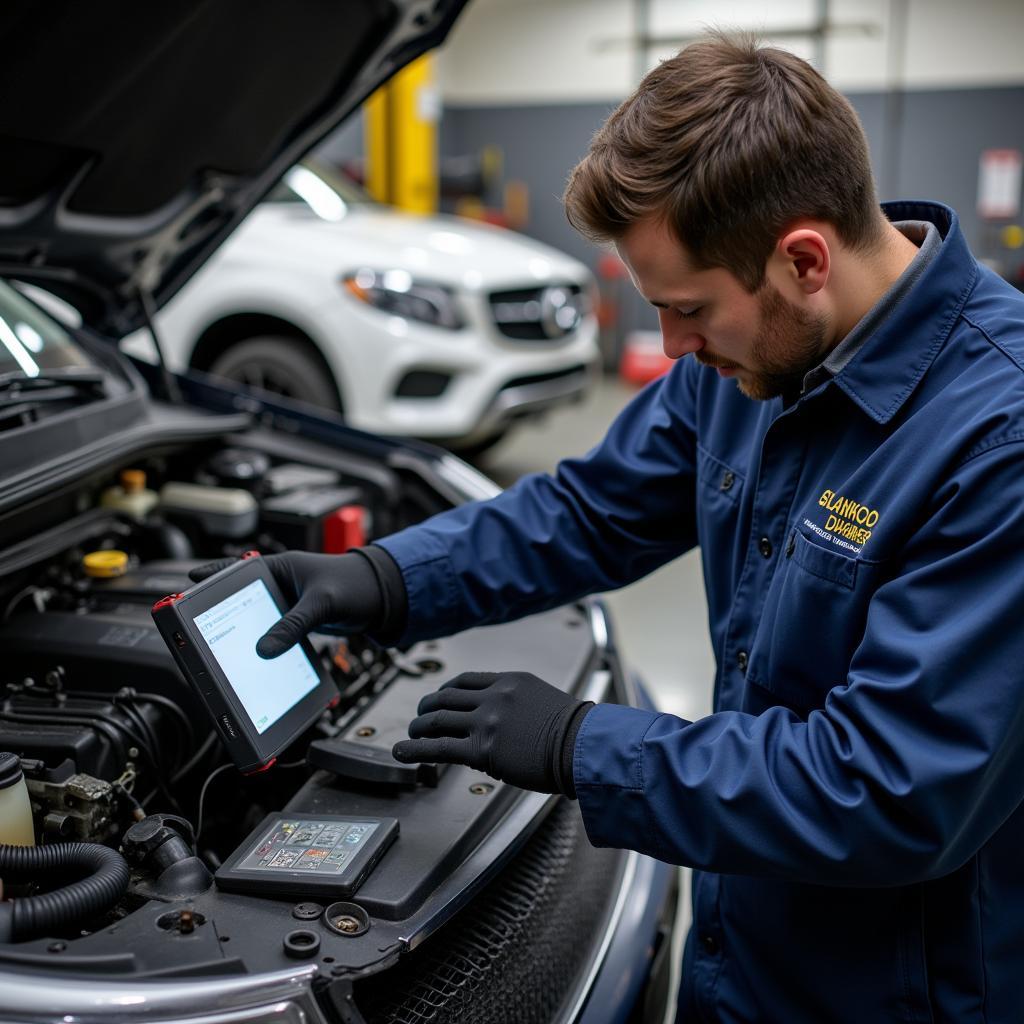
(559, 312)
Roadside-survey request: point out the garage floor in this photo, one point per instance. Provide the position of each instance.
(661, 620)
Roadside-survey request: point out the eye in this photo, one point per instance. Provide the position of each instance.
(686, 314)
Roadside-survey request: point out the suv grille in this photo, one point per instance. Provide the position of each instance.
(514, 954)
(538, 314)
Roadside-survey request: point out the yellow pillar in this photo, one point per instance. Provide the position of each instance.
(401, 139)
(375, 133)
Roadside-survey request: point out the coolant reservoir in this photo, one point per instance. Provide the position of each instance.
(132, 496)
(220, 511)
(15, 808)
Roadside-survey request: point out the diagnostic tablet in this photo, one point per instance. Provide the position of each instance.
(259, 706)
(308, 855)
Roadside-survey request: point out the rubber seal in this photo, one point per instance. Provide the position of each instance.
(301, 943)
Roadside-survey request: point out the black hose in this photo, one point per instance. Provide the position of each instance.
(32, 916)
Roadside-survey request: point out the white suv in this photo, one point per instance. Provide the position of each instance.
(433, 327)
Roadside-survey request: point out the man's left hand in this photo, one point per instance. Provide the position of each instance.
(511, 725)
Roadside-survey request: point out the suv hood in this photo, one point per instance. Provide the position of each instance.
(135, 137)
(443, 249)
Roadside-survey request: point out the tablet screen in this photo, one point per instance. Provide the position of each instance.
(266, 689)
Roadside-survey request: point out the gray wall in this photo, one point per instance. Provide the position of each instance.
(541, 144)
(939, 139)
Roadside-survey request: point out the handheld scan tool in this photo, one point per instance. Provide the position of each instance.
(258, 706)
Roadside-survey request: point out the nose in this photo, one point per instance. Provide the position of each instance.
(678, 338)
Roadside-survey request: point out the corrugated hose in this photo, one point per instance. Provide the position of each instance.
(26, 918)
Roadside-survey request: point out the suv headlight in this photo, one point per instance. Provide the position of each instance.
(397, 293)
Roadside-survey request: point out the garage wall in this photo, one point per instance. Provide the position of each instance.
(936, 154)
(505, 52)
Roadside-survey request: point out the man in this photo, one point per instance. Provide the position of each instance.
(847, 447)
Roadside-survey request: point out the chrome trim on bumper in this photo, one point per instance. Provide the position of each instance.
(469, 481)
(597, 690)
(622, 900)
(284, 997)
(599, 624)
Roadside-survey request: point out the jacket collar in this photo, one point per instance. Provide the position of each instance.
(891, 363)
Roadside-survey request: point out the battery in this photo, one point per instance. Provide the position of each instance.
(330, 519)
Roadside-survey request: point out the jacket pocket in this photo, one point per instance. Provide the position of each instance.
(813, 621)
(913, 959)
(831, 566)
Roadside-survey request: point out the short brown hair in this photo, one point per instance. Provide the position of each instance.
(729, 142)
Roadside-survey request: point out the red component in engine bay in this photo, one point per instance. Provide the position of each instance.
(344, 529)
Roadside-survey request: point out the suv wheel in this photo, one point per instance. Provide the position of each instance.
(281, 365)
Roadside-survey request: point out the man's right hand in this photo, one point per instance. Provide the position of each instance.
(327, 593)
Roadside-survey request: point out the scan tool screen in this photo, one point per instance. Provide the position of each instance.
(266, 688)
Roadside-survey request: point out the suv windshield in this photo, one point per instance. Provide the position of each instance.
(328, 194)
(30, 342)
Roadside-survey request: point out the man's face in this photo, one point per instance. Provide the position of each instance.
(763, 340)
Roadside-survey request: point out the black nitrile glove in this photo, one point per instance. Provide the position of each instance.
(359, 591)
(511, 725)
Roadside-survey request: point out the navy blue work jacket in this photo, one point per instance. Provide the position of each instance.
(853, 805)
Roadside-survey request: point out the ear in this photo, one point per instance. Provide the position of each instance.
(803, 257)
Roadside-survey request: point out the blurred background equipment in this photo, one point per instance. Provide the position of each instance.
(999, 206)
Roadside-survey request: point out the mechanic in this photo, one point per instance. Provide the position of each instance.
(847, 448)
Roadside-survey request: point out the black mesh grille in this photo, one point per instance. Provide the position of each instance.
(513, 955)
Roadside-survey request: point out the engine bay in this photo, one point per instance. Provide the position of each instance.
(118, 750)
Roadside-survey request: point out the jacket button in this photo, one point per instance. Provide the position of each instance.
(728, 479)
(710, 944)
(764, 545)
(741, 661)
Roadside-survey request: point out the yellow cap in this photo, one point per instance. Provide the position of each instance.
(102, 565)
(133, 480)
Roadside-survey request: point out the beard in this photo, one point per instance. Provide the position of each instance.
(789, 342)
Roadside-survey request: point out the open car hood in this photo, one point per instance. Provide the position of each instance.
(134, 137)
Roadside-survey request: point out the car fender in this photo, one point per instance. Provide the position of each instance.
(250, 291)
